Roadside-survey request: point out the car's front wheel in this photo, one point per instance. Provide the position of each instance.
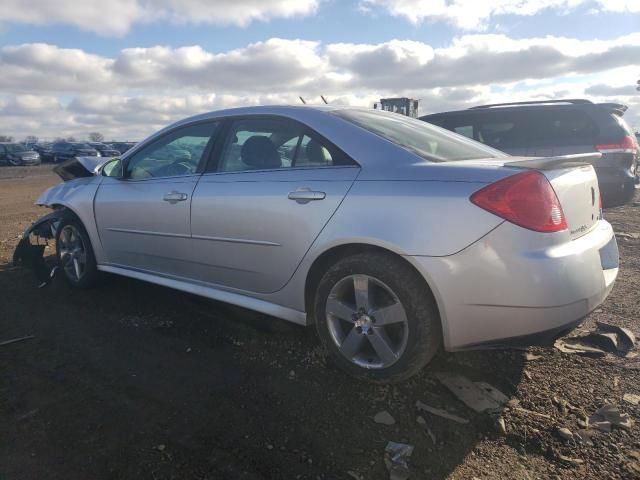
(377, 318)
(15, 162)
(75, 255)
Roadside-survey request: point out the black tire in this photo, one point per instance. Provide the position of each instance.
(89, 274)
(423, 321)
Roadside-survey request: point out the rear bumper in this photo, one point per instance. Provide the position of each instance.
(497, 293)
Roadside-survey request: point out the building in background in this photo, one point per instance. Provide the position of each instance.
(402, 105)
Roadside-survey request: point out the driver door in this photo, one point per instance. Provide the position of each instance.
(144, 218)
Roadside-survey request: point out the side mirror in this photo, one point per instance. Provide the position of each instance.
(114, 168)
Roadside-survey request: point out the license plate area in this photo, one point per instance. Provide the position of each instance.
(609, 257)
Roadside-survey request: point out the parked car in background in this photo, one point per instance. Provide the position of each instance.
(104, 150)
(17, 154)
(66, 150)
(44, 149)
(122, 146)
(391, 235)
(558, 127)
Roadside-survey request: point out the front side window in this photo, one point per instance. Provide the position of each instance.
(176, 153)
(275, 143)
(423, 139)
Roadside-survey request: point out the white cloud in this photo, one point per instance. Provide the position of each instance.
(116, 17)
(477, 14)
(46, 90)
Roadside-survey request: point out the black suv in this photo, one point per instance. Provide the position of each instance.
(558, 127)
(65, 150)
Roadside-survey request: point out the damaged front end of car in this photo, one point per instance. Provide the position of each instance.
(31, 255)
(77, 175)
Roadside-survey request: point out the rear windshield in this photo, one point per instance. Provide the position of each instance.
(427, 141)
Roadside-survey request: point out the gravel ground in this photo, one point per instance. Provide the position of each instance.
(137, 381)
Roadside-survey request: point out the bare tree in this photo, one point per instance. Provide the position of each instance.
(96, 137)
(6, 138)
(71, 139)
(30, 139)
(58, 140)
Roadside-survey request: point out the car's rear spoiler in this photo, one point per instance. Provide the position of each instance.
(561, 161)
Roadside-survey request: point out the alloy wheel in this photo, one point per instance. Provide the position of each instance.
(72, 252)
(367, 321)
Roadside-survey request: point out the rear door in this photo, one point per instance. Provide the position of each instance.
(256, 212)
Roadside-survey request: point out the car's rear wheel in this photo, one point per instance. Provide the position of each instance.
(377, 318)
(75, 255)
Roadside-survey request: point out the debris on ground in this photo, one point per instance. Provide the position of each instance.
(567, 346)
(396, 458)
(501, 425)
(423, 423)
(529, 357)
(626, 338)
(583, 437)
(571, 461)
(631, 398)
(610, 414)
(628, 235)
(384, 418)
(355, 475)
(440, 413)
(478, 396)
(16, 340)
(606, 338)
(565, 433)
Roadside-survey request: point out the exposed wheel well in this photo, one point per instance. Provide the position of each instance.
(331, 256)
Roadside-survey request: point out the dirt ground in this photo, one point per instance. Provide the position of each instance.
(137, 381)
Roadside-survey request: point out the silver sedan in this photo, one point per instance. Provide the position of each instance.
(392, 236)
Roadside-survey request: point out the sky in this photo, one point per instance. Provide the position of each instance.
(126, 68)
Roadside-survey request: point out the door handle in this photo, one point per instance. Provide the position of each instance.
(174, 197)
(306, 195)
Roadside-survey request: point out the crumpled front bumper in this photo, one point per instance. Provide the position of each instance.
(31, 255)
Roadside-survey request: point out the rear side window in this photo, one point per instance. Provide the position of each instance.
(421, 138)
(276, 143)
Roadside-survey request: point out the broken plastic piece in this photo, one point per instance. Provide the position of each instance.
(440, 413)
(396, 458)
(480, 396)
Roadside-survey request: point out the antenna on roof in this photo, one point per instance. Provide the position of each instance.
(302, 100)
(324, 99)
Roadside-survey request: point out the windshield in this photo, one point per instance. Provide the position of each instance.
(425, 140)
(16, 148)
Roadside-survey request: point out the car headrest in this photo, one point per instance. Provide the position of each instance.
(260, 152)
(316, 153)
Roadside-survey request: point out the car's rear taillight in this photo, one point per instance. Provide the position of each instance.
(526, 199)
(627, 145)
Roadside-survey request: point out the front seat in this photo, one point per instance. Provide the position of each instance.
(259, 152)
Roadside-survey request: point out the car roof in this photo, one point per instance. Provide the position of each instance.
(579, 103)
(287, 110)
